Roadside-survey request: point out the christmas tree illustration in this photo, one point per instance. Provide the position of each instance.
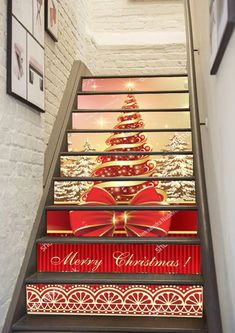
(113, 192)
(68, 192)
(128, 165)
(177, 166)
(78, 167)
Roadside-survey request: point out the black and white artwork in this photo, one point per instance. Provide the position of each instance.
(35, 69)
(38, 20)
(222, 22)
(18, 59)
(25, 67)
(22, 11)
(52, 18)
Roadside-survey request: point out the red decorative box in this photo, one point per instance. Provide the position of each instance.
(116, 300)
(119, 258)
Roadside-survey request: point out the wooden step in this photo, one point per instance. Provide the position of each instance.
(128, 130)
(133, 92)
(121, 110)
(85, 77)
(120, 240)
(67, 324)
(124, 179)
(113, 278)
(125, 153)
(122, 208)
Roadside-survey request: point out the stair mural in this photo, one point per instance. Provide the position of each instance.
(121, 230)
(126, 176)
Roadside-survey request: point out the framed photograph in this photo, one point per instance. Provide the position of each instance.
(25, 58)
(52, 15)
(222, 22)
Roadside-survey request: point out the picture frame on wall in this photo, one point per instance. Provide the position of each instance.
(52, 18)
(38, 20)
(222, 23)
(25, 58)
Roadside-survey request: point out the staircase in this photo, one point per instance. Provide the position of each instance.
(121, 242)
(121, 230)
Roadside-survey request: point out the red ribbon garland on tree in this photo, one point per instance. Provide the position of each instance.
(125, 223)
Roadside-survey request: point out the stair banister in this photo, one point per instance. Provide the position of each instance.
(212, 308)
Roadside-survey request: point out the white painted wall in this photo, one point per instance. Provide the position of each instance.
(136, 36)
(217, 101)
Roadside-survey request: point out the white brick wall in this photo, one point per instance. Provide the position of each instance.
(112, 37)
(60, 56)
(134, 36)
(24, 134)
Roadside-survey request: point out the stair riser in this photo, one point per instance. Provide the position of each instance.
(69, 166)
(72, 192)
(116, 300)
(137, 83)
(182, 223)
(98, 140)
(146, 101)
(119, 258)
(153, 120)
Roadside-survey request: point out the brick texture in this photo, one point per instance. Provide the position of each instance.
(24, 134)
(136, 37)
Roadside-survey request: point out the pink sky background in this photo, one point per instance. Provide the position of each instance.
(145, 101)
(119, 84)
(109, 120)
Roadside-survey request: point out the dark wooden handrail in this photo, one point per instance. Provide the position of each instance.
(17, 306)
(212, 308)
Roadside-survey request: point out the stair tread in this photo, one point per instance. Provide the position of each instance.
(122, 207)
(47, 323)
(121, 153)
(85, 77)
(120, 240)
(134, 130)
(139, 110)
(114, 278)
(122, 178)
(133, 92)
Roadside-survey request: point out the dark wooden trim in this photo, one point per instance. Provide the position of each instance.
(120, 179)
(134, 130)
(18, 303)
(114, 324)
(114, 278)
(120, 240)
(136, 92)
(132, 76)
(122, 208)
(123, 153)
(121, 110)
(212, 308)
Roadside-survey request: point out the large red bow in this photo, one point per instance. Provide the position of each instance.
(122, 223)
